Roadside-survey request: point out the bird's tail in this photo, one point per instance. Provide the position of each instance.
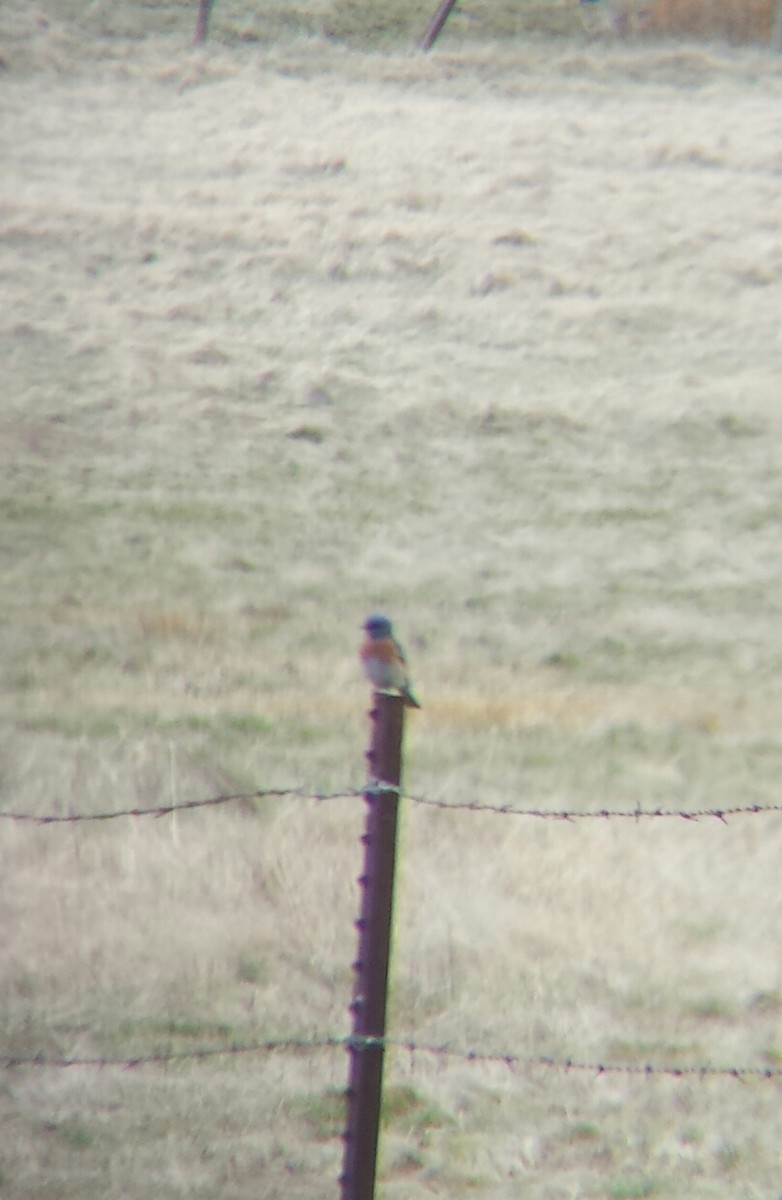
(409, 698)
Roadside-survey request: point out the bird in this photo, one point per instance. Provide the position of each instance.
(383, 659)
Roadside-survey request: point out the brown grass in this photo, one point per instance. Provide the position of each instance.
(738, 21)
(488, 338)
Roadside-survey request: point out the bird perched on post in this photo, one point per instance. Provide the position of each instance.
(383, 659)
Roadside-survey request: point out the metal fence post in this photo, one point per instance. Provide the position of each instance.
(438, 20)
(202, 21)
(365, 1075)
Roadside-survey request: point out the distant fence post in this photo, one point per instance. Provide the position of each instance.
(439, 19)
(776, 36)
(202, 21)
(370, 990)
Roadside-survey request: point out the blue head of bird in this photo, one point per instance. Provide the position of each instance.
(378, 626)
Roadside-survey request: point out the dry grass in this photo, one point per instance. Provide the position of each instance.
(488, 338)
(733, 20)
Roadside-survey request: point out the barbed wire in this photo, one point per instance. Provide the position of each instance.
(605, 814)
(165, 1057)
(164, 810)
(355, 1042)
(702, 1070)
(377, 788)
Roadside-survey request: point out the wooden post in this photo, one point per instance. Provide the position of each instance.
(202, 23)
(439, 19)
(370, 991)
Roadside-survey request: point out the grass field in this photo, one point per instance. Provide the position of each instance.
(294, 329)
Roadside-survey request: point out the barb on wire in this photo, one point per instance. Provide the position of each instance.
(164, 810)
(444, 1051)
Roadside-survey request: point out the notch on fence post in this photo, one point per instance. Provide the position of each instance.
(370, 989)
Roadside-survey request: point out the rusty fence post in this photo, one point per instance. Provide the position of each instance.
(202, 21)
(370, 989)
(439, 19)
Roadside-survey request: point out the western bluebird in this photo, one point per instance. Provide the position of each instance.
(383, 659)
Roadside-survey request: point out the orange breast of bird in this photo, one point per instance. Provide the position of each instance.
(383, 649)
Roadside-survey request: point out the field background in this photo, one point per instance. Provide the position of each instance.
(305, 324)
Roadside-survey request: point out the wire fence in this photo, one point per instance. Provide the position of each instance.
(636, 813)
(447, 1051)
(412, 1047)
(368, 1042)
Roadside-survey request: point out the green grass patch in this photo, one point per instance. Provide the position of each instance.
(657, 1052)
(78, 725)
(324, 1112)
(582, 1131)
(633, 1189)
(712, 1008)
(235, 727)
(128, 1035)
(252, 970)
(245, 724)
(405, 1108)
(72, 1133)
(190, 512)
